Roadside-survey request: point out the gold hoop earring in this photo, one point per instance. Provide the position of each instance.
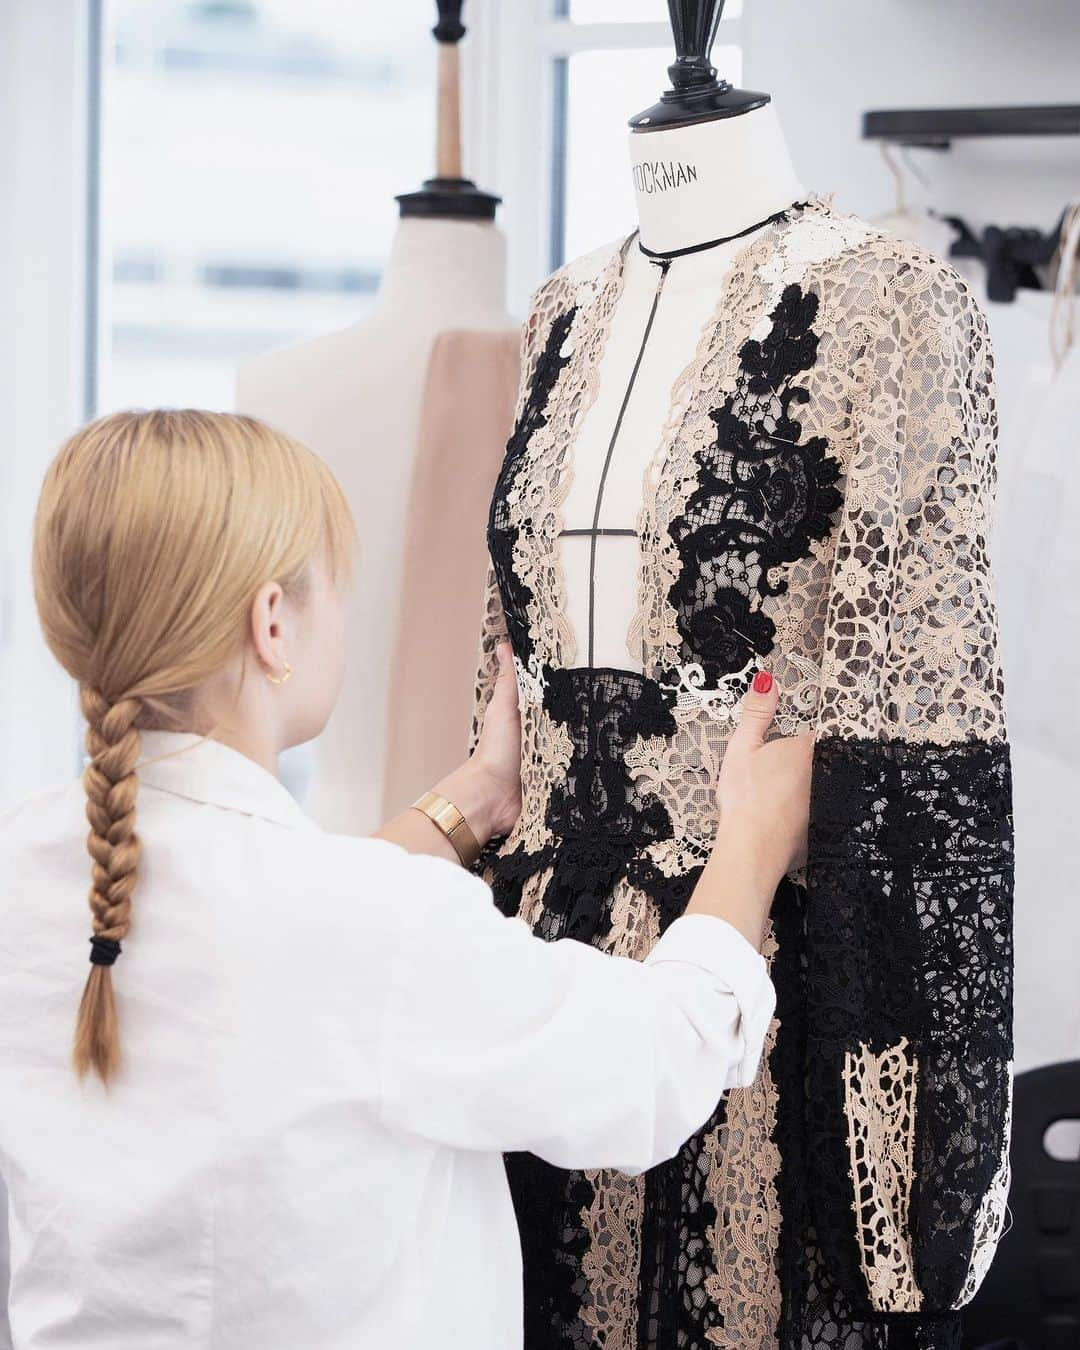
(280, 679)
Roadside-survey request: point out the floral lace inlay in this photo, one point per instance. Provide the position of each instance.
(763, 496)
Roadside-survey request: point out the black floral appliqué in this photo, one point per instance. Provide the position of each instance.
(502, 533)
(764, 495)
(730, 630)
(789, 349)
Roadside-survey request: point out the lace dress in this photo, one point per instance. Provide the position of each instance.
(818, 505)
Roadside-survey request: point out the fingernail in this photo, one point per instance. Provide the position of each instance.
(762, 682)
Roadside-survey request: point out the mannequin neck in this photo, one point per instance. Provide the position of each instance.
(453, 271)
(711, 180)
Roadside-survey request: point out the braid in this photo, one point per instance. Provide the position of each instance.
(111, 782)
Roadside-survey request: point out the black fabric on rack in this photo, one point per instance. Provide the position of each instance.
(1011, 254)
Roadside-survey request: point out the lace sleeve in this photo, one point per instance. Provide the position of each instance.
(492, 632)
(909, 880)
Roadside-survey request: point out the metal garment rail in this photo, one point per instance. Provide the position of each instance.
(937, 128)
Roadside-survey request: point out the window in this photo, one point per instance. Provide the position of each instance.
(247, 180)
(250, 152)
(242, 158)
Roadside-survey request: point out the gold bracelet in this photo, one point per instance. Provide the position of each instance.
(445, 816)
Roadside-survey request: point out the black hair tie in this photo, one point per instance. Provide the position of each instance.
(103, 950)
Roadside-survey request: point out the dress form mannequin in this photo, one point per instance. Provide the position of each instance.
(355, 397)
(694, 184)
(773, 452)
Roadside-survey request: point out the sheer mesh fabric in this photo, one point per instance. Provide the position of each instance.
(818, 504)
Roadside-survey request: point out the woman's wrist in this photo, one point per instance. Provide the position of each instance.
(736, 886)
(738, 852)
(476, 796)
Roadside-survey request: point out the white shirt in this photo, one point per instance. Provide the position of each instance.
(327, 1043)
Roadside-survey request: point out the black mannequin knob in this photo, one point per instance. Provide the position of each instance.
(449, 28)
(694, 24)
(696, 95)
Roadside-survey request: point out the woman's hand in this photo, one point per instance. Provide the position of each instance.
(763, 795)
(487, 787)
(498, 751)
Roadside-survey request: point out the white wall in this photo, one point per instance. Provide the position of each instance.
(825, 63)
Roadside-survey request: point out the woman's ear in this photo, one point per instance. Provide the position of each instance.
(267, 636)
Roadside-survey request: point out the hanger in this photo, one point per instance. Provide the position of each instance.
(901, 208)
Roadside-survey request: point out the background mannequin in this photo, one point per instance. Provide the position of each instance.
(355, 397)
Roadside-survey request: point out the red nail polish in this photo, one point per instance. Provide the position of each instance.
(762, 682)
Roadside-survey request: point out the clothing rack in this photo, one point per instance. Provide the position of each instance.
(1011, 254)
(937, 128)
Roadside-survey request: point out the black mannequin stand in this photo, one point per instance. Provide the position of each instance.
(696, 94)
(449, 196)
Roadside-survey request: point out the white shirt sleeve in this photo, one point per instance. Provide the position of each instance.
(494, 1039)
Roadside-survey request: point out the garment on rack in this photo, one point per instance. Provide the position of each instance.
(819, 505)
(1015, 257)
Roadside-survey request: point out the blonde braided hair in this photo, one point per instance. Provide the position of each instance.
(112, 742)
(154, 533)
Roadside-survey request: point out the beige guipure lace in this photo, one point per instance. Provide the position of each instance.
(993, 1213)
(592, 284)
(744, 1162)
(612, 1263)
(879, 1098)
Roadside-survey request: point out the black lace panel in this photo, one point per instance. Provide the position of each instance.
(763, 495)
(550, 1202)
(910, 893)
(908, 937)
(600, 820)
(677, 1256)
(502, 534)
(823, 1305)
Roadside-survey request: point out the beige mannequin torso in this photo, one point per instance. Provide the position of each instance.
(354, 397)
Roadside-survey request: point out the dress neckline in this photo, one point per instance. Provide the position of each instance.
(666, 255)
(608, 290)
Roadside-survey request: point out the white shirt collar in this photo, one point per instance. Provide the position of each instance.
(207, 771)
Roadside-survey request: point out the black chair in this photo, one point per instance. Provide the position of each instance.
(1032, 1292)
